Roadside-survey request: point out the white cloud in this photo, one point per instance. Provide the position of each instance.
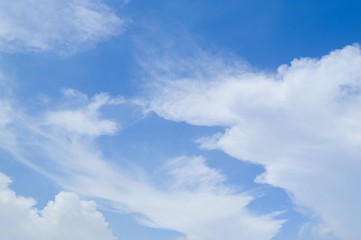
(67, 217)
(198, 203)
(193, 173)
(195, 201)
(315, 230)
(86, 119)
(59, 26)
(301, 123)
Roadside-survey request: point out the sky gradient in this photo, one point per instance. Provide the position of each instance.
(180, 120)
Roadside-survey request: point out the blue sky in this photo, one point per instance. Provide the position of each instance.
(180, 120)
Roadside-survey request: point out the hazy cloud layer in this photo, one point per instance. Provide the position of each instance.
(57, 26)
(301, 123)
(67, 217)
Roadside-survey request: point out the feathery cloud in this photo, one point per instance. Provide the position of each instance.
(55, 26)
(196, 201)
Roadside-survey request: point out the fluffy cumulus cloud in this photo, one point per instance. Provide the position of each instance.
(60, 26)
(301, 123)
(67, 217)
(192, 199)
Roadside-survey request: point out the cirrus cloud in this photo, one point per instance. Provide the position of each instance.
(55, 26)
(195, 201)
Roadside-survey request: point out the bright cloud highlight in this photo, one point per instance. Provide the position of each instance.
(67, 217)
(301, 123)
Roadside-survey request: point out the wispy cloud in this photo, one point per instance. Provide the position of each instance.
(301, 123)
(84, 119)
(61, 143)
(67, 217)
(197, 202)
(55, 26)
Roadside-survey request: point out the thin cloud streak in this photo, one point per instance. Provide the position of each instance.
(64, 27)
(71, 157)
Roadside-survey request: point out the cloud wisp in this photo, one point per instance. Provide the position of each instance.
(301, 123)
(63, 27)
(62, 143)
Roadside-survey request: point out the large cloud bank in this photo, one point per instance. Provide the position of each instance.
(302, 123)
